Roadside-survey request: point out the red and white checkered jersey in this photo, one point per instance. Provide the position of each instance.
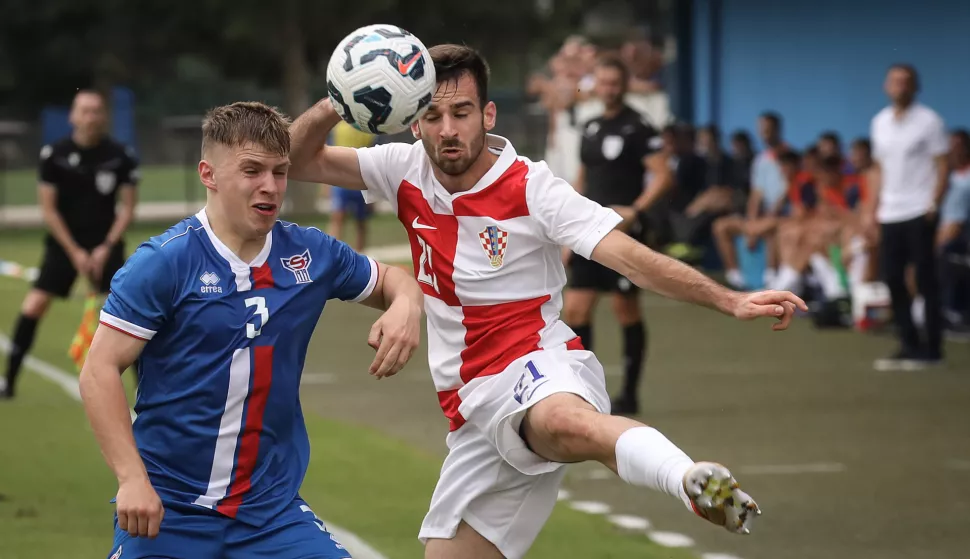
(488, 259)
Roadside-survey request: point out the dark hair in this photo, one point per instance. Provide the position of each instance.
(241, 123)
(812, 151)
(713, 130)
(743, 137)
(909, 69)
(833, 137)
(615, 62)
(451, 61)
(863, 143)
(772, 117)
(963, 135)
(790, 157)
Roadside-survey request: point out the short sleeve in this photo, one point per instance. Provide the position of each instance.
(47, 171)
(354, 275)
(382, 167)
(875, 139)
(129, 173)
(566, 217)
(142, 294)
(939, 143)
(956, 206)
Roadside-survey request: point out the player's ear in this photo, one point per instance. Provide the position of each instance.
(490, 113)
(207, 174)
(416, 130)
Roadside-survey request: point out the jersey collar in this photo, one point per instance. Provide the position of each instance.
(234, 261)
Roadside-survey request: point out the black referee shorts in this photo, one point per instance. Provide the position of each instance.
(588, 274)
(57, 273)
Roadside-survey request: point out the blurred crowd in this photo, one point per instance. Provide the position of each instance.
(799, 218)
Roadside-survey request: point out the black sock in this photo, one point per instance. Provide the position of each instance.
(585, 333)
(634, 350)
(23, 339)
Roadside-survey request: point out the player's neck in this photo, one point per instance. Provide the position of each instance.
(245, 248)
(465, 181)
(612, 111)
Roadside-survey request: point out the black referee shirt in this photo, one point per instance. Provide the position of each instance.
(612, 151)
(87, 181)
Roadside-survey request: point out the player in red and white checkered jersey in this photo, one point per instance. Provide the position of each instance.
(522, 395)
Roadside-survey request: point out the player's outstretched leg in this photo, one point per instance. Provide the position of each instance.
(565, 428)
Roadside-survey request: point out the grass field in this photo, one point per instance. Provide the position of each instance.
(55, 488)
(160, 183)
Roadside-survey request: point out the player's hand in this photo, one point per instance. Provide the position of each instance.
(140, 510)
(774, 304)
(395, 336)
(81, 260)
(99, 257)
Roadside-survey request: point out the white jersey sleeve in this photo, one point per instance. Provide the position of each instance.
(383, 168)
(566, 217)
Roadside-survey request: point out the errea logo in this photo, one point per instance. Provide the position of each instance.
(210, 283)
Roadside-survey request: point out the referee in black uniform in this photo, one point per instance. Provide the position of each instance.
(615, 155)
(82, 178)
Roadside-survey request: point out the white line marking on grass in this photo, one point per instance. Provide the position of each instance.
(629, 522)
(670, 539)
(793, 469)
(718, 556)
(563, 495)
(590, 507)
(68, 382)
(318, 378)
(391, 253)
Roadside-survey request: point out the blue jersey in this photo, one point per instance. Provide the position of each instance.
(219, 420)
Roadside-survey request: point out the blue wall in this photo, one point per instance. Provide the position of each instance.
(821, 64)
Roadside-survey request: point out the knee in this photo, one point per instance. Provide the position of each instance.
(723, 227)
(553, 425)
(577, 310)
(35, 304)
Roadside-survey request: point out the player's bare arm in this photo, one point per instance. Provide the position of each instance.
(676, 280)
(397, 333)
(112, 352)
(661, 181)
(47, 195)
(126, 213)
(312, 160)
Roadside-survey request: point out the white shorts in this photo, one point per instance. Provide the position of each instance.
(490, 479)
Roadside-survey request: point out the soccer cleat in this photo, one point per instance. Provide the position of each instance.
(715, 496)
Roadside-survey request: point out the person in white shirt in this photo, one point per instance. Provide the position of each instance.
(521, 394)
(910, 145)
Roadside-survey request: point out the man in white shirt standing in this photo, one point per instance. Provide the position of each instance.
(909, 145)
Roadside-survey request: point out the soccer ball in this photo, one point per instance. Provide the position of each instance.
(380, 79)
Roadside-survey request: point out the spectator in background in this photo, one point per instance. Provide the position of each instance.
(765, 203)
(909, 146)
(859, 249)
(812, 161)
(690, 181)
(829, 145)
(615, 154)
(742, 157)
(953, 237)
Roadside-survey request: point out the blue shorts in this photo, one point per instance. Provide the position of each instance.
(190, 533)
(346, 200)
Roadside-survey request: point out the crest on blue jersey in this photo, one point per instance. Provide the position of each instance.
(299, 264)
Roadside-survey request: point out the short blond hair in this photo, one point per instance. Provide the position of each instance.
(247, 122)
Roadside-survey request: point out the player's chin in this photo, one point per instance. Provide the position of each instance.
(264, 215)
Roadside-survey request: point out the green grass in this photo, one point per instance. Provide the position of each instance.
(56, 489)
(159, 183)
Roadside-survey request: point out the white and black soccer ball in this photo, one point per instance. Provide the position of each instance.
(380, 79)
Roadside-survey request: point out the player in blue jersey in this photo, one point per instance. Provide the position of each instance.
(218, 311)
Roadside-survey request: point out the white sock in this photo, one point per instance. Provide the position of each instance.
(859, 262)
(918, 311)
(646, 458)
(769, 276)
(788, 279)
(828, 277)
(734, 278)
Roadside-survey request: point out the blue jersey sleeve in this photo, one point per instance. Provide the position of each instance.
(355, 275)
(142, 294)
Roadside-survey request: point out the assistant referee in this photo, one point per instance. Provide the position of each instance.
(82, 178)
(615, 156)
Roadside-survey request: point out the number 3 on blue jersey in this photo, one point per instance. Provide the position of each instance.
(261, 314)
